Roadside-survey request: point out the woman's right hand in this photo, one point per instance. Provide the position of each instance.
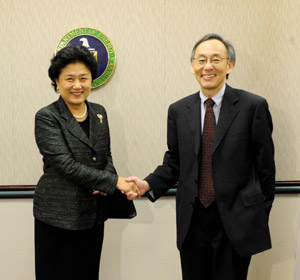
(128, 188)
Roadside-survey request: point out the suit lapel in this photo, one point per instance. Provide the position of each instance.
(96, 120)
(228, 113)
(71, 124)
(193, 118)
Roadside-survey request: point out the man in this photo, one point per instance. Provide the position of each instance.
(220, 151)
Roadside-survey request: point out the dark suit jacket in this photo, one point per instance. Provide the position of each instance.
(242, 161)
(74, 166)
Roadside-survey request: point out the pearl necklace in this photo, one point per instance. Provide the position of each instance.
(82, 116)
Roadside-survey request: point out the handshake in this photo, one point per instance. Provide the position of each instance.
(132, 187)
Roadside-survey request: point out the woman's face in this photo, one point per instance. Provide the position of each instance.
(74, 84)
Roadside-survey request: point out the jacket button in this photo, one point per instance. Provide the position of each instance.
(94, 158)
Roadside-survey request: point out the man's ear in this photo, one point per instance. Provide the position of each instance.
(192, 68)
(230, 66)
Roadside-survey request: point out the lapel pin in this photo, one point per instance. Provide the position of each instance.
(100, 117)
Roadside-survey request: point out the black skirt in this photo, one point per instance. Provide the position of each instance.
(62, 254)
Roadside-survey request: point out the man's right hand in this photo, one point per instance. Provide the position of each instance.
(141, 184)
(128, 187)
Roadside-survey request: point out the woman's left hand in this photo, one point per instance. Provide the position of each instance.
(98, 192)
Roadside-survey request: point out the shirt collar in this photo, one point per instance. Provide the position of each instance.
(216, 98)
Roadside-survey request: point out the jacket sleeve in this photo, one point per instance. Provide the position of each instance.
(53, 147)
(166, 175)
(263, 150)
(109, 162)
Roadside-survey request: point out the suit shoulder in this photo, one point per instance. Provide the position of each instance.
(248, 96)
(190, 99)
(48, 110)
(96, 106)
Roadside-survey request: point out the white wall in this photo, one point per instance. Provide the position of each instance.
(145, 247)
(153, 41)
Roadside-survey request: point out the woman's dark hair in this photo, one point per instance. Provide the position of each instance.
(71, 54)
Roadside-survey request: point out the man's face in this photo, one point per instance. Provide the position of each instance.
(210, 66)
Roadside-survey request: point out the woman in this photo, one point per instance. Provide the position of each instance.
(72, 135)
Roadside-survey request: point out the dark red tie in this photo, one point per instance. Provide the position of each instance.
(206, 184)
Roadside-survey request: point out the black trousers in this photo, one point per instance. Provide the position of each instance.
(62, 254)
(207, 253)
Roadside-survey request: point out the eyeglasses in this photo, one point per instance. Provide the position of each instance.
(202, 61)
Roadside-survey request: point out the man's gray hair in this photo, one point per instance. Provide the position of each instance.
(211, 36)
